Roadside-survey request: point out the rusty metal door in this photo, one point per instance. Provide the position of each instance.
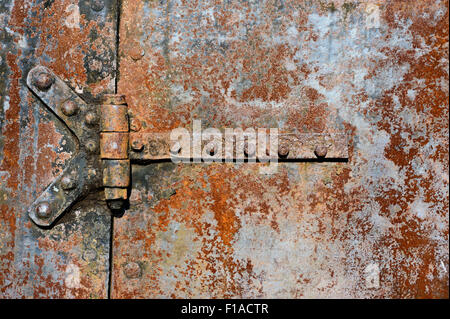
(77, 40)
(367, 218)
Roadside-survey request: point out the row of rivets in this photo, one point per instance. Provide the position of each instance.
(249, 149)
(43, 81)
(70, 108)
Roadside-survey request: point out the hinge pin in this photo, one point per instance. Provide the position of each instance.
(69, 108)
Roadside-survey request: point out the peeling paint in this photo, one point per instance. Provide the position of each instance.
(373, 227)
(34, 150)
(376, 227)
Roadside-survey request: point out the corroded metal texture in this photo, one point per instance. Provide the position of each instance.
(77, 41)
(159, 146)
(114, 149)
(116, 173)
(82, 173)
(114, 118)
(375, 226)
(114, 145)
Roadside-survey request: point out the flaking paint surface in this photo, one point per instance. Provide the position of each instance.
(71, 260)
(375, 227)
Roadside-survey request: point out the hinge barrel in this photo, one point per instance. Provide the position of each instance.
(114, 137)
(110, 145)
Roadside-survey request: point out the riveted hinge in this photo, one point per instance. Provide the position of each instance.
(114, 138)
(106, 146)
(83, 171)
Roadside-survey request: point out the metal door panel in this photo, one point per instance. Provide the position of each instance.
(376, 226)
(77, 39)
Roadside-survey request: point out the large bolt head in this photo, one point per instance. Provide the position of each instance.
(43, 210)
(69, 108)
(136, 52)
(43, 80)
(135, 125)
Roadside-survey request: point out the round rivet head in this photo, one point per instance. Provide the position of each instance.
(92, 173)
(135, 125)
(67, 183)
(97, 5)
(43, 80)
(321, 151)
(132, 270)
(43, 210)
(91, 146)
(114, 99)
(137, 146)
(91, 118)
(283, 150)
(69, 108)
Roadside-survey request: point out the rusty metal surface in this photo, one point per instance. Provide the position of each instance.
(374, 227)
(77, 40)
(114, 118)
(116, 173)
(82, 173)
(114, 145)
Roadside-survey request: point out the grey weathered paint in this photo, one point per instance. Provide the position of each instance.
(376, 226)
(71, 260)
